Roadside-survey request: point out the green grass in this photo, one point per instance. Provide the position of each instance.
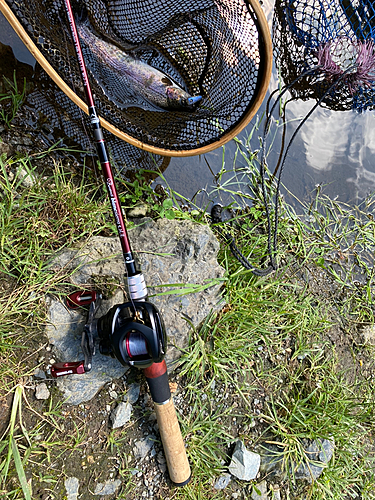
(11, 99)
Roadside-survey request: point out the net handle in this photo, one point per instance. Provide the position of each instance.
(265, 69)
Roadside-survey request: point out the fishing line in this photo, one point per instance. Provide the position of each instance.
(216, 212)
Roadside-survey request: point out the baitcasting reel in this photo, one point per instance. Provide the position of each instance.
(133, 333)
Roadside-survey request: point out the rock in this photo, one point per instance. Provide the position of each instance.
(222, 482)
(171, 252)
(133, 393)
(42, 391)
(244, 464)
(107, 488)
(368, 333)
(276, 492)
(139, 210)
(144, 446)
(72, 487)
(272, 460)
(28, 180)
(317, 451)
(259, 491)
(121, 415)
(38, 373)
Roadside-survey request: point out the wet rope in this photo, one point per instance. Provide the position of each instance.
(216, 211)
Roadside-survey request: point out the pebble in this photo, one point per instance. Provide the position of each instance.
(107, 488)
(71, 487)
(42, 391)
(133, 393)
(144, 446)
(262, 489)
(244, 464)
(28, 180)
(38, 373)
(113, 394)
(222, 482)
(121, 415)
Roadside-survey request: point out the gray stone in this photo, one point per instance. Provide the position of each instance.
(259, 491)
(107, 488)
(318, 452)
(222, 482)
(244, 464)
(38, 373)
(133, 393)
(121, 415)
(71, 487)
(271, 463)
(144, 446)
(28, 179)
(171, 254)
(276, 494)
(41, 391)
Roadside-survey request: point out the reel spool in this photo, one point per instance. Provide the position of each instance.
(219, 49)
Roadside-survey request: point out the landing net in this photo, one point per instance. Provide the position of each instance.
(334, 37)
(217, 49)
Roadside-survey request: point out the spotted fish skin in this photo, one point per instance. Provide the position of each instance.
(150, 83)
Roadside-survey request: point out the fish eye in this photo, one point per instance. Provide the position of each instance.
(166, 80)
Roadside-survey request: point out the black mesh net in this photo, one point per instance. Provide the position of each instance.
(208, 48)
(334, 40)
(68, 122)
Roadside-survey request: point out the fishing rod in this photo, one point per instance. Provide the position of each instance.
(132, 332)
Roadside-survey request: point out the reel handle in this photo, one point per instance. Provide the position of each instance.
(169, 428)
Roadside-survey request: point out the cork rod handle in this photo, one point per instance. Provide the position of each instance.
(169, 428)
(173, 444)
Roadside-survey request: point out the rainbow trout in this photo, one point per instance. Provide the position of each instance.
(139, 78)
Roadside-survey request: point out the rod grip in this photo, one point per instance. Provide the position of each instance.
(169, 428)
(173, 444)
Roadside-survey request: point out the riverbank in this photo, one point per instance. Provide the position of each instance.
(289, 360)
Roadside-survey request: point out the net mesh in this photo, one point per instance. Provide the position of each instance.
(334, 37)
(207, 47)
(66, 120)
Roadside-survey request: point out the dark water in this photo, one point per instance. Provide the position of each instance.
(335, 149)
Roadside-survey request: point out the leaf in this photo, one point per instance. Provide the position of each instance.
(20, 470)
(168, 203)
(169, 214)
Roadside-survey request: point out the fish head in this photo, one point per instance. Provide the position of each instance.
(179, 99)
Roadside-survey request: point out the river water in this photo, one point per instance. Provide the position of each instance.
(333, 149)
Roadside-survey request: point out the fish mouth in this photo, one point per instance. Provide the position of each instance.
(192, 101)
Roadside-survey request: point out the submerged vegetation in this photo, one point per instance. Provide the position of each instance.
(288, 360)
